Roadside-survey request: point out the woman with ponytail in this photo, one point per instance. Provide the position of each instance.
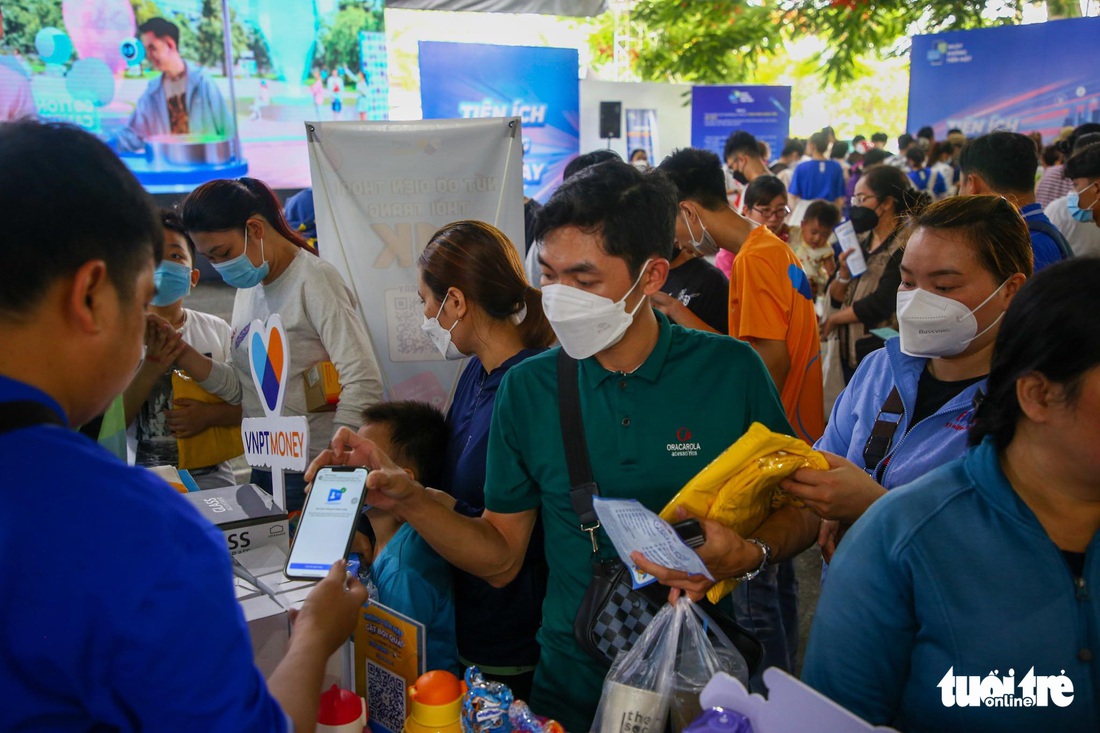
(883, 202)
(986, 563)
(907, 409)
(477, 303)
(239, 226)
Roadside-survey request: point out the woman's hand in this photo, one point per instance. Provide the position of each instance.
(190, 417)
(842, 493)
(163, 344)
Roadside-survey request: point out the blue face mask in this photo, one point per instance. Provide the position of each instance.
(239, 271)
(1073, 205)
(173, 282)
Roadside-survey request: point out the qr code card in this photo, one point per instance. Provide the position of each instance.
(385, 697)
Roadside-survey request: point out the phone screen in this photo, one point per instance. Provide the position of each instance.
(328, 521)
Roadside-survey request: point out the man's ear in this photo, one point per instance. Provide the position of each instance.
(655, 276)
(88, 296)
(411, 474)
(978, 186)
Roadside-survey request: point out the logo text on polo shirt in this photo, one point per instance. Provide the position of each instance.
(683, 447)
(995, 691)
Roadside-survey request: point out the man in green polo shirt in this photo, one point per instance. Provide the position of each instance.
(659, 402)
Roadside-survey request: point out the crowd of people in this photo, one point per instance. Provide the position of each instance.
(945, 358)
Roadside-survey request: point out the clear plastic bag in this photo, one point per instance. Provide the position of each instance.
(702, 651)
(636, 691)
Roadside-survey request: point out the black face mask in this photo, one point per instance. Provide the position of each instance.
(864, 218)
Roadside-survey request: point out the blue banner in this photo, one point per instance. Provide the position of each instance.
(641, 133)
(716, 111)
(1022, 78)
(538, 85)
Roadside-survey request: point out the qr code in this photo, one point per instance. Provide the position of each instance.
(404, 314)
(385, 697)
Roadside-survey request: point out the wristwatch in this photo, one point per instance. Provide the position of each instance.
(763, 563)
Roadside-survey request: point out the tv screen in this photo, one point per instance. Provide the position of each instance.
(149, 77)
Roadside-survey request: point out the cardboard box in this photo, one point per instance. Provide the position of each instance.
(246, 514)
(322, 387)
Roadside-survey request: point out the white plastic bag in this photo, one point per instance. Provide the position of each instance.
(703, 651)
(636, 691)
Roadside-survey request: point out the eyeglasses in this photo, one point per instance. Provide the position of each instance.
(859, 198)
(782, 211)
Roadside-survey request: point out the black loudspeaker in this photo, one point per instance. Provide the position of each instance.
(611, 120)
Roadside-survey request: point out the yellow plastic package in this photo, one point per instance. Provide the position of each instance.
(740, 488)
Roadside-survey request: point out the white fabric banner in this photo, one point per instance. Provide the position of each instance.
(381, 189)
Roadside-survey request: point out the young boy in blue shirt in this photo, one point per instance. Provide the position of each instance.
(410, 577)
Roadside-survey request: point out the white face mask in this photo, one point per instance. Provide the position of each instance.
(441, 337)
(932, 325)
(586, 323)
(705, 245)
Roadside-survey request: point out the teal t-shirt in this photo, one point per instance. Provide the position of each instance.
(415, 581)
(648, 434)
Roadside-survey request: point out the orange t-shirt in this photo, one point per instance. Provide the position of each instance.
(770, 298)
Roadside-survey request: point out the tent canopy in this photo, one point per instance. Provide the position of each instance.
(541, 7)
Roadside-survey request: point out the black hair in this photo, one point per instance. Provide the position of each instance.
(762, 190)
(1084, 141)
(697, 176)
(839, 150)
(634, 213)
(858, 139)
(828, 130)
(588, 159)
(875, 156)
(635, 151)
(1050, 328)
(225, 204)
(161, 28)
(793, 146)
(1067, 146)
(915, 156)
(823, 212)
(926, 132)
(880, 137)
(1006, 161)
(941, 148)
(1085, 164)
(418, 436)
(904, 141)
(1050, 155)
(820, 142)
(740, 141)
(886, 181)
(171, 221)
(66, 199)
(954, 131)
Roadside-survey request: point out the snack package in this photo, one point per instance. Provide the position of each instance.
(720, 720)
(525, 721)
(740, 488)
(486, 705)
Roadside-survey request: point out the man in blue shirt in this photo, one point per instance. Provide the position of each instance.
(817, 178)
(1004, 163)
(135, 626)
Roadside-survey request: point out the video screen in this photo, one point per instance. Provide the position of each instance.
(149, 77)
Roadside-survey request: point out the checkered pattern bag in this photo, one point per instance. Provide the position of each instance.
(613, 614)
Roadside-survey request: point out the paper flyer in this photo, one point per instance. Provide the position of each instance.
(633, 528)
(389, 657)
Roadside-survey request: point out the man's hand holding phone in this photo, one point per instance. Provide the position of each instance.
(388, 486)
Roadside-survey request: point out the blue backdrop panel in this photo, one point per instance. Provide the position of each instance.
(1023, 78)
(539, 85)
(716, 111)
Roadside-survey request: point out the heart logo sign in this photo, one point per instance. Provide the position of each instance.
(268, 356)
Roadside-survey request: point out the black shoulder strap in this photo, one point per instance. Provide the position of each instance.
(582, 486)
(882, 433)
(25, 414)
(1037, 225)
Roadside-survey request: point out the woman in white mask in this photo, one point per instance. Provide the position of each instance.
(909, 405)
(477, 304)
